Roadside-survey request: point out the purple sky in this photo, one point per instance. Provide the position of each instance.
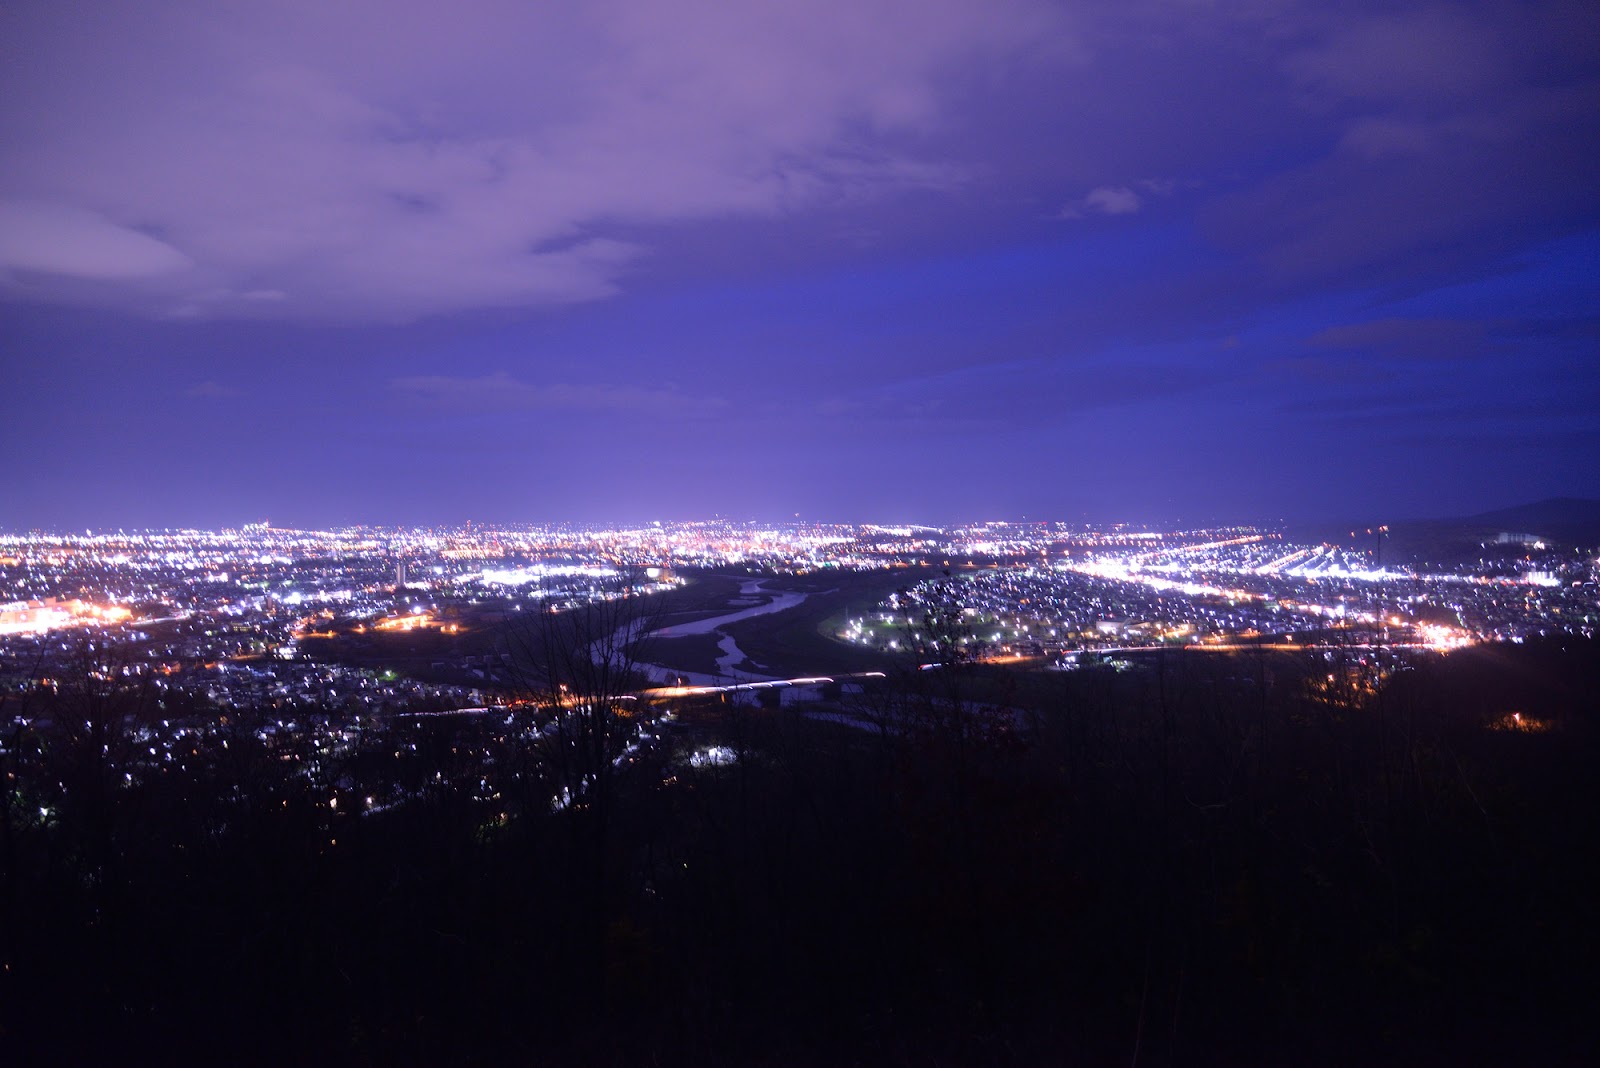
(400, 262)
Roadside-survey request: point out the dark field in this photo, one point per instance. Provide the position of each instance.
(800, 641)
(795, 642)
(690, 652)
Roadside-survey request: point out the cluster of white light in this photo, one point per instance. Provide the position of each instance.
(715, 756)
(521, 576)
(1443, 637)
(1120, 571)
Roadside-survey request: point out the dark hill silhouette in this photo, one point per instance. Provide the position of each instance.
(1561, 522)
(1563, 519)
(1267, 858)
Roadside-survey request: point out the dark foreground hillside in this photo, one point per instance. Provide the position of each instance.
(1226, 860)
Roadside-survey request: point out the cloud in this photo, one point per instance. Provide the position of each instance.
(500, 392)
(1433, 339)
(1022, 393)
(1428, 54)
(1108, 200)
(1458, 133)
(1113, 200)
(57, 239)
(511, 155)
(495, 155)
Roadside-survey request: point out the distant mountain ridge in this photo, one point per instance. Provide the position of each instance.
(1562, 522)
(1568, 519)
(1559, 521)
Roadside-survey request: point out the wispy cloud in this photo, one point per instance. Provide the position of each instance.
(1110, 200)
(1024, 391)
(1433, 339)
(500, 392)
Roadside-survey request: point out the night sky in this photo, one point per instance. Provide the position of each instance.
(622, 260)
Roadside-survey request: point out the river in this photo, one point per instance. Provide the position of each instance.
(731, 654)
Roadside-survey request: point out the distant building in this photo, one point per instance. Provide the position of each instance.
(26, 617)
(36, 617)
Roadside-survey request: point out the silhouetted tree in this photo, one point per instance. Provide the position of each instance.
(581, 667)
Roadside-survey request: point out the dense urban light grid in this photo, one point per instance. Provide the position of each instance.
(227, 615)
